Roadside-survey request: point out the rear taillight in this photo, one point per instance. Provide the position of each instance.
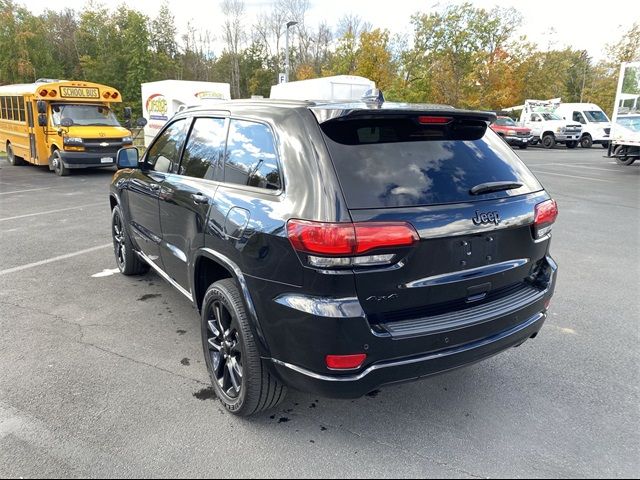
(342, 245)
(546, 214)
(345, 362)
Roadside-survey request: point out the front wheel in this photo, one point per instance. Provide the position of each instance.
(572, 145)
(586, 141)
(548, 141)
(241, 379)
(128, 261)
(58, 165)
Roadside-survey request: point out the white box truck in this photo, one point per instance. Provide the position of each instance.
(340, 88)
(547, 127)
(596, 126)
(162, 100)
(625, 133)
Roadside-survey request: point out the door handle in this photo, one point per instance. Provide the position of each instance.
(154, 186)
(199, 198)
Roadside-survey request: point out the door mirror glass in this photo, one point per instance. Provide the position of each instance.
(128, 158)
(41, 105)
(141, 122)
(127, 113)
(42, 119)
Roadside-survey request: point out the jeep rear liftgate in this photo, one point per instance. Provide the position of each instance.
(470, 200)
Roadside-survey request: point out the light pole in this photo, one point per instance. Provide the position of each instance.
(286, 71)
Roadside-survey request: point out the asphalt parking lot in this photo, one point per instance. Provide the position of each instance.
(102, 375)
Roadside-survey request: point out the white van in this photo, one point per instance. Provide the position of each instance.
(596, 126)
(162, 100)
(337, 88)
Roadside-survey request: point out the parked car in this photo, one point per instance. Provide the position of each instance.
(509, 130)
(336, 248)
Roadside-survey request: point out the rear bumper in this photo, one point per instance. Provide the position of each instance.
(302, 331)
(75, 160)
(407, 369)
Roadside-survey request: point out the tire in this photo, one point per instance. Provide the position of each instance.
(586, 141)
(622, 158)
(241, 379)
(572, 145)
(12, 158)
(126, 258)
(548, 141)
(58, 164)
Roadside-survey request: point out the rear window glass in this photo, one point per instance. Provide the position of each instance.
(399, 163)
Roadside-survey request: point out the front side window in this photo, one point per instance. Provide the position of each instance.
(84, 115)
(204, 154)
(164, 154)
(251, 156)
(577, 117)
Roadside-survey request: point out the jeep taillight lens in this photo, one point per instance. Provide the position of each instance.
(545, 217)
(335, 245)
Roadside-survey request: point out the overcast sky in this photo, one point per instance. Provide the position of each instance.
(584, 24)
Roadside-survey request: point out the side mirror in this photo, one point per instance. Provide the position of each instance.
(41, 106)
(67, 122)
(127, 113)
(141, 122)
(128, 158)
(42, 119)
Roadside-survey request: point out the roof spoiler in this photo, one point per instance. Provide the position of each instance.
(326, 113)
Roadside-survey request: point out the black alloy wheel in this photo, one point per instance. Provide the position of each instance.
(126, 258)
(242, 380)
(225, 350)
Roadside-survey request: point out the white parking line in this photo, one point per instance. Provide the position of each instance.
(6, 219)
(572, 176)
(53, 259)
(28, 190)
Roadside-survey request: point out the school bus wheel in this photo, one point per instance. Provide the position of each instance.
(58, 164)
(11, 156)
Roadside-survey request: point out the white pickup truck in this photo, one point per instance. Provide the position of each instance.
(547, 127)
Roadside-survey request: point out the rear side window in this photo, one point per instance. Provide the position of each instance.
(400, 163)
(204, 153)
(251, 156)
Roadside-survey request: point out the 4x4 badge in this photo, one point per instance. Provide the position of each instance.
(484, 218)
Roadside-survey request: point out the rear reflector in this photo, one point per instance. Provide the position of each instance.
(546, 214)
(343, 239)
(345, 362)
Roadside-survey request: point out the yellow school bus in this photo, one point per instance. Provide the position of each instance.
(63, 124)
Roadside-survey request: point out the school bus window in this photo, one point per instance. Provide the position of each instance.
(16, 109)
(21, 107)
(3, 108)
(10, 108)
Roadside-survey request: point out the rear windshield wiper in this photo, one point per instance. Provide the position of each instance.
(489, 187)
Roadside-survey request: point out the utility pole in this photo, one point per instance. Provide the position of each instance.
(286, 74)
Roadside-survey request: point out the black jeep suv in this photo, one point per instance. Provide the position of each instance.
(335, 248)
